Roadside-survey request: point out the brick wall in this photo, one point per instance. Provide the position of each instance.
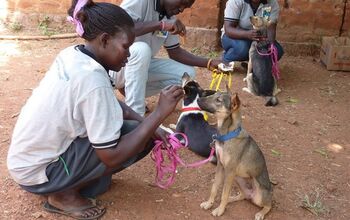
(300, 20)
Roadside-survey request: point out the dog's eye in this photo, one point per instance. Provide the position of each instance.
(218, 99)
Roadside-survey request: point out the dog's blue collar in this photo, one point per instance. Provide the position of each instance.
(230, 135)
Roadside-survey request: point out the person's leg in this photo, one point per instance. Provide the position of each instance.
(235, 49)
(164, 72)
(75, 168)
(78, 175)
(136, 76)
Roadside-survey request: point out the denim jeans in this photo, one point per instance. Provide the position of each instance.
(238, 50)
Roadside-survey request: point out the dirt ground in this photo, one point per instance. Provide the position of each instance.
(305, 140)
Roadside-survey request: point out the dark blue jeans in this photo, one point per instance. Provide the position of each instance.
(238, 50)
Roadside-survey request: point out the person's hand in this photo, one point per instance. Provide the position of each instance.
(168, 98)
(175, 27)
(253, 35)
(214, 63)
(161, 134)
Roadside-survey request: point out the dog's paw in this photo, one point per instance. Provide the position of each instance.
(245, 79)
(218, 211)
(276, 91)
(246, 89)
(172, 126)
(206, 205)
(259, 216)
(271, 101)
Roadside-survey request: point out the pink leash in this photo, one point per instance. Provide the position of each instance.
(158, 157)
(274, 58)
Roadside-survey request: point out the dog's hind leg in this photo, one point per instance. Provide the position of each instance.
(262, 197)
(219, 176)
(226, 192)
(276, 90)
(240, 183)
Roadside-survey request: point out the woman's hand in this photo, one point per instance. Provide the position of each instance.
(161, 134)
(168, 99)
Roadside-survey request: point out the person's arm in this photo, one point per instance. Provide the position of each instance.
(142, 28)
(174, 26)
(128, 113)
(182, 56)
(135, 141)
(233, 31)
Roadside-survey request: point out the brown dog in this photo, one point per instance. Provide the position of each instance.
(239, 159)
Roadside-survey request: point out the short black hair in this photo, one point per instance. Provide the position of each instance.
(102, 17)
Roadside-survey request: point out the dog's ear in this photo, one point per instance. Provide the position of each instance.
(235, 102)
(185, 78)
(208, 92)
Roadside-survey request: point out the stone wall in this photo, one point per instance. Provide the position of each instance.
(301, 21)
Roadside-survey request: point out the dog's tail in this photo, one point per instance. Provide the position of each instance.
(271, 101)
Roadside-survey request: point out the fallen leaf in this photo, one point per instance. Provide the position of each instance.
(292, 100)
(275, 152)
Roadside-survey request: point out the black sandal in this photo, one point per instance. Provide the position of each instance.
(71, 213)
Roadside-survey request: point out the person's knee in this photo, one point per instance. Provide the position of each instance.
(238, 50)
(140, 51)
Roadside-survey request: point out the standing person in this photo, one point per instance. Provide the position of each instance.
(73, 134)
(156, 25)
(238, 32)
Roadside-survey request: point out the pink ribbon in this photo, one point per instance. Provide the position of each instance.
(274, 58)
(78, 26)
(173, 157)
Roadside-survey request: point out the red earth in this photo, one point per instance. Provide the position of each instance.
(305, 140)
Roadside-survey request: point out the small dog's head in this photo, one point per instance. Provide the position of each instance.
(192, 89)
(221, 104)
(259, 22)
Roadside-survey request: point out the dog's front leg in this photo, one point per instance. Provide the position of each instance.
(226, 192)
(219, 176)
(250, 65)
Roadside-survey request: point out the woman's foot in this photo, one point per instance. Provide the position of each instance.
(70, 203)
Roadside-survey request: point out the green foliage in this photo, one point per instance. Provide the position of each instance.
(16, 26)
(313, 203)
(44, 26)
(213, 54)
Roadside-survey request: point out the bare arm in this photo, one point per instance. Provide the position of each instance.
(135, 141)
(142, 28)
(173, 26)
(129, 114)
(232, 30)
(181, 55)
